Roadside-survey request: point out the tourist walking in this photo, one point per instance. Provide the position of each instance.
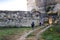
(32, 25)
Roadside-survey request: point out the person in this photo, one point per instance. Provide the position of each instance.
(32, 25)
(39, 23)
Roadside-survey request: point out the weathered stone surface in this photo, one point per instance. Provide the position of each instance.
(16, 18)
(38, 4)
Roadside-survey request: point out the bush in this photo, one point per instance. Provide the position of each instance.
(57, 28)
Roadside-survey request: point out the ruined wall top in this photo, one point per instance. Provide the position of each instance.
(38, 3)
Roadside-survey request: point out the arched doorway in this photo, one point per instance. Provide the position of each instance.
(37, 14)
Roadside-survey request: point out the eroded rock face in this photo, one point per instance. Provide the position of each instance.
(58, 1)
(57, 8)
(39, 5)
(31, 4)
(34, 4)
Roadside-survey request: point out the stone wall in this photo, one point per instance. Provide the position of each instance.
(16, 18)
(31, 4)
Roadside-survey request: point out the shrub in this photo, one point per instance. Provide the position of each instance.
(57, 28)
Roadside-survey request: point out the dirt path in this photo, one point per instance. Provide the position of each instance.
(39, 33)
(26, 34)
(34, 32)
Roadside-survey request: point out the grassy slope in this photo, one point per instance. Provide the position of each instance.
(4, 32)
(51, 34)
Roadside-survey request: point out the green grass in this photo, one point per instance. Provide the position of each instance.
(4, 32)
(33, 34)
(52, 33)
